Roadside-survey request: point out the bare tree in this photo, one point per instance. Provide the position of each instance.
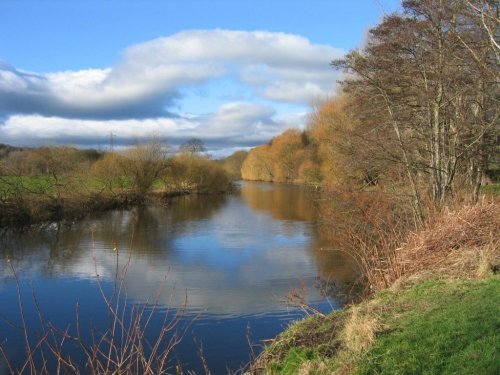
(193, 146)
(417, 76)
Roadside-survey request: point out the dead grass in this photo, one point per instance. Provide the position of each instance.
(388, 248)
(335, 342)
(460, 243)
(360, 330)
(310, 367)
(464, 243)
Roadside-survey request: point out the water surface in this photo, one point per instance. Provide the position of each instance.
(235, 258)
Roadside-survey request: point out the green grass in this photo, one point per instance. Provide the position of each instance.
(440, 328)
(294, 361)
(436, 327)
(313, 340)
(94, 183)
(492, 189)
(10, 185)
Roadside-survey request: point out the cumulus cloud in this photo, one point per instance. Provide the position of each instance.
(93, 94)
(142, 92)
(147, 79)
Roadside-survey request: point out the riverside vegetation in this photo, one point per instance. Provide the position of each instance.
(407, 157)
(54, 183)
(440, 313)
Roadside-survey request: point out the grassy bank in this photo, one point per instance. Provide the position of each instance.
(442, 316)
(434, 327)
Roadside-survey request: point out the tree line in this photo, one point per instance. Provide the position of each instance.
(48, 183)
(418, 110)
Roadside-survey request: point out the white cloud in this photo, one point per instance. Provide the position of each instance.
(139, 93)
(273, 49)
(294, 92)
(150, 74)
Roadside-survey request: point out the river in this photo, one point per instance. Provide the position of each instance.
(227, 262)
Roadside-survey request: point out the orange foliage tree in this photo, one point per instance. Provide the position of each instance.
(322, 153)
(278, 161)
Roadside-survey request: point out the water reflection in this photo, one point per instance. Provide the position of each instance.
(231, 257)
(289, 202)
(237, 257)
(283, 202)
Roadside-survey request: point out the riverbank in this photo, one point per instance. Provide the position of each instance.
(441, 316)
(64, 183)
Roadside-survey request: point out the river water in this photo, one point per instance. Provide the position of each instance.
(227, 262)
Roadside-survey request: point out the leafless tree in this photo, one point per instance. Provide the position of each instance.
(427, 75)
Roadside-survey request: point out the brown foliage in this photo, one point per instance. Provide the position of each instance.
(48, 161)
(474, 226)
(425, 89)
(196, 173)
(233, 163)
(453, 242)
(289, 158)
(331, 151)
(331, 131)
(258, 165)
(109, 171)
(369, 227)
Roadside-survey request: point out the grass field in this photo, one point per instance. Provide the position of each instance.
(439, 328)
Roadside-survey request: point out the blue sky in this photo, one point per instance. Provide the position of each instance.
(232, 73)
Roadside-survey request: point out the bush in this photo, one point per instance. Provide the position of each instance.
(191, 172)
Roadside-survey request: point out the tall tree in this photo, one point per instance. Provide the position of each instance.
(415, 77)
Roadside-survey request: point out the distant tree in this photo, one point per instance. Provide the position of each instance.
(111, 172)
(6, 149)
(287, 149)
(258, 165)
(193, 146)
(281, 159)
(197, 173)
(15, 163)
